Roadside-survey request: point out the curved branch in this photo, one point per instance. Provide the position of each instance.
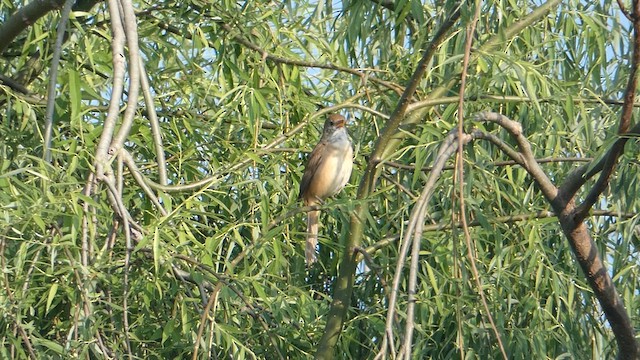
(137, 175)
(459, 179)
(525, 155)
(579, 237)
(155, 125)
(413, 234)
(243, 161)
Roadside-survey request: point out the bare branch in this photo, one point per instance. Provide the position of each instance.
(117, 49)
(131, 34)
(281, 60)
(528, 159)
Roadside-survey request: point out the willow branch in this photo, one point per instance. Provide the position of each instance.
(117, 88)
(417, 115)
(131, 34)
(53, 79)
(506, 99)
(155, 125)
(282, 60)
(343, 286)
(140, 179)
(245, 160)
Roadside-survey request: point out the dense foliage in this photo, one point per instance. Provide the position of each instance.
(240, 90)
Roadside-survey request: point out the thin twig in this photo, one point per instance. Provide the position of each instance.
(375, 268)
(507, 219)
(459, 177)
(282, 60)
(53, 79)
(546, 160)
(139, 178)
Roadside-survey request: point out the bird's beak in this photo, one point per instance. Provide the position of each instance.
(339, 124)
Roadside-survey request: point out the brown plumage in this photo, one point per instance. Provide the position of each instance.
(327, 172)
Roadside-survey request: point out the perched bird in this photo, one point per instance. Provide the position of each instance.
(327, 172)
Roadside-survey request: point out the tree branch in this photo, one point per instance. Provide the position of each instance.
(459, 178)
(30, 13)
(487, 136)
(625, 123)
(579, 237)
(53, 79)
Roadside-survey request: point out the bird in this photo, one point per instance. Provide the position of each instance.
(327, 172)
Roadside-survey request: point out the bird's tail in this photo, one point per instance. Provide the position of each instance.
(312, 236)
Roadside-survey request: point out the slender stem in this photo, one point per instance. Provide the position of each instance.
(53, 79)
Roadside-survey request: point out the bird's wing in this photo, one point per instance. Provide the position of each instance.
(315, 159)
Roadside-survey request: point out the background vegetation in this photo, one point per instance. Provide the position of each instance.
(150, 164)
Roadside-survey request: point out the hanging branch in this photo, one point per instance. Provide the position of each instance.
(459, 178)
(413, 234)
(155, 125)
(53, 79)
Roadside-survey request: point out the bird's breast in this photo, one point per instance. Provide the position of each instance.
(334, 171)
